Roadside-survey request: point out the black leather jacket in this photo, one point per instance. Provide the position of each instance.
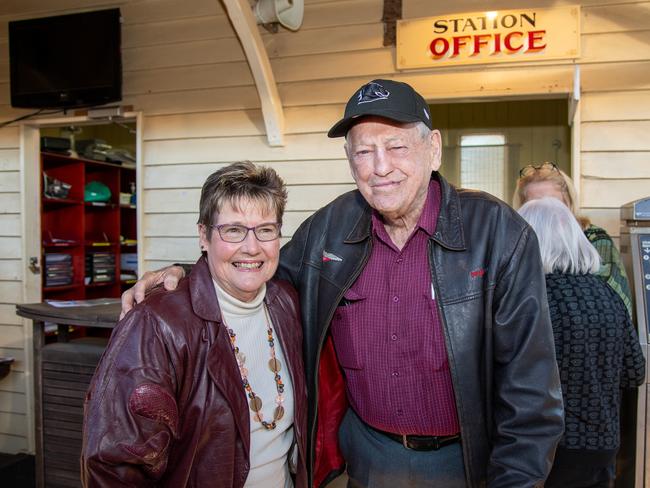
(488, 280)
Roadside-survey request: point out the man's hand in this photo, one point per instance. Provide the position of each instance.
(169, 276)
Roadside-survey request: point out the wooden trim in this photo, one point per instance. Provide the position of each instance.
(30, 176)
(242, 19)
(139, 184)
(391, 14)
(576, 153)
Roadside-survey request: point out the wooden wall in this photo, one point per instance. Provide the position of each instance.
(185, 70)
(615, 112)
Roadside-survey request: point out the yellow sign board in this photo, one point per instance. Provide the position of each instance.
(503, 36)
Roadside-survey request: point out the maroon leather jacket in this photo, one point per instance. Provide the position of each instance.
(166, 406)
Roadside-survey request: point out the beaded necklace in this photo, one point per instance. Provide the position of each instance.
(255, 402)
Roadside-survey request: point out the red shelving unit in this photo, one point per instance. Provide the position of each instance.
(87, 232)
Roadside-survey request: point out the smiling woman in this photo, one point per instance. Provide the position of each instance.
(241, 261)
(206, 383)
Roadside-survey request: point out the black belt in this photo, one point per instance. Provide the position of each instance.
(421, 442)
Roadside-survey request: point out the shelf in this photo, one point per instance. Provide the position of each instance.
(100, 204)
(61, 245)
(60, 288)
(99, 285)
(101, 245)
(57, 202)
(128, 206)
(62, 158)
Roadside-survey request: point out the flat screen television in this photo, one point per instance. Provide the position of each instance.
(66, 61)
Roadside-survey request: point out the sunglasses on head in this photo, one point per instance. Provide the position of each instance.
(533, 168)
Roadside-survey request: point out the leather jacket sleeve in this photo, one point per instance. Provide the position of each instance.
(130, 413)
(528, 412)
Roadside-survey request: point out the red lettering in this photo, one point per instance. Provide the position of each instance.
(459, 41)
(439, 47)
(480, 40)
(497, 43)
(533, 38)
(507, 41)
(516, 41)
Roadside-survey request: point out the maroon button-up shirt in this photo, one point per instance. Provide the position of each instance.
(389, 340)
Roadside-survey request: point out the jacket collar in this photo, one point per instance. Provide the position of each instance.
(449, 228)
(202, 293)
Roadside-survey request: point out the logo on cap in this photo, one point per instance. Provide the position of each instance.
(371, 93)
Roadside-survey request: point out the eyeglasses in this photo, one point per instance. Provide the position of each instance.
(530, 169)
(237, 233)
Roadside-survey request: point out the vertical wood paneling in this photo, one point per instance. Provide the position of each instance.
(15, 433)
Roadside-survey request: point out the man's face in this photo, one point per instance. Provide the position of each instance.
(391, 164)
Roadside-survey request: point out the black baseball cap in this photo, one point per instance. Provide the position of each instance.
(383, 98)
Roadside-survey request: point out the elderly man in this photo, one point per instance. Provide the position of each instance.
(428, 348)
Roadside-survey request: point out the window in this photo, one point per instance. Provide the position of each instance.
(483, 163)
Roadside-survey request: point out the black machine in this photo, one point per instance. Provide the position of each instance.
(66, 61)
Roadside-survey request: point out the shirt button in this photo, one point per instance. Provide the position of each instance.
(400, 411)
(396, 299)
(399, 260)
(395, 374)
(393, 337)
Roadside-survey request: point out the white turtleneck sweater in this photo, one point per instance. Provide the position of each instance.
(269, 448)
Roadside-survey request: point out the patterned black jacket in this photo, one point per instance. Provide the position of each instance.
(598, 353)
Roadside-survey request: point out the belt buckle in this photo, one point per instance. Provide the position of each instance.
(435, 447)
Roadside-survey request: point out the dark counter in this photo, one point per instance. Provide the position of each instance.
(62, 373)
(99, 314)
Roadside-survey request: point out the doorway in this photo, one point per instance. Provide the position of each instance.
(32, 206)
(486, 144)
(62, 161)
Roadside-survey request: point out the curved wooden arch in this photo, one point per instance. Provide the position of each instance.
(241, 16)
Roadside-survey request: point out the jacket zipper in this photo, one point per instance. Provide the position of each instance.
(346, 287)
(443, 320)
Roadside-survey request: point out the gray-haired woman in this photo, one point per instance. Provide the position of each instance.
(547, 180)
(204, 386)
(596, 346)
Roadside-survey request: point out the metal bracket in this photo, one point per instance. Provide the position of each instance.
(33, 265)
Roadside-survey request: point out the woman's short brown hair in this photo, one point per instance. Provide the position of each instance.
(239, 182)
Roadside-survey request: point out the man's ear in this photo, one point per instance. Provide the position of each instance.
(350, 163)
(436, 150)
